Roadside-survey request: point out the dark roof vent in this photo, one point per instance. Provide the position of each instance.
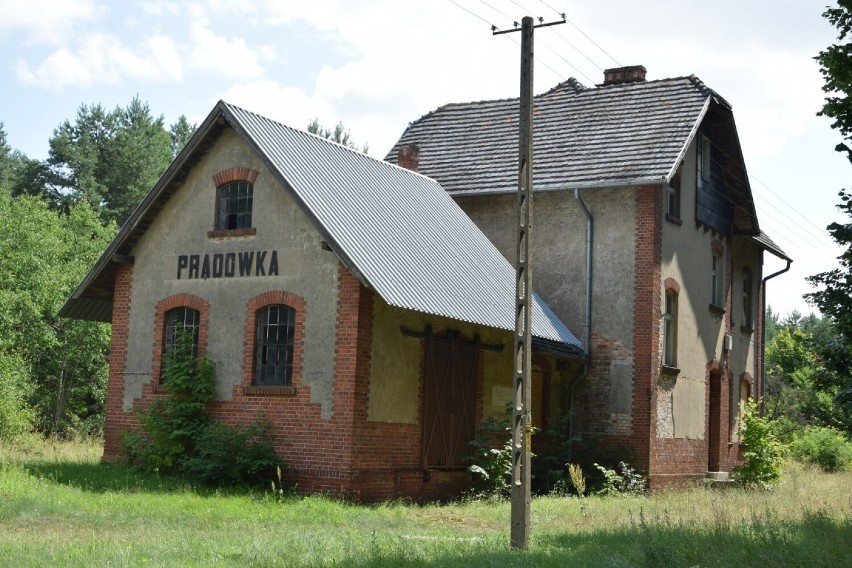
(630, 74)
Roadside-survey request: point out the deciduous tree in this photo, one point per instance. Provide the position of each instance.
(44, 254)
(834, 296)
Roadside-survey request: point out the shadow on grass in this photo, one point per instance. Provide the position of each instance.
(815, 541)
(102, 478)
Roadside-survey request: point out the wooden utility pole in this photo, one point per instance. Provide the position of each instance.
(522, 393)
(521, 415)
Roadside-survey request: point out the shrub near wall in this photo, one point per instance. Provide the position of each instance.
(763, 455)
(179, 435)
(825, 447)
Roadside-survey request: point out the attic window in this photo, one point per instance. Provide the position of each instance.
(234, 204)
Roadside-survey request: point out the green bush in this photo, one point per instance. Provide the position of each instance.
(16, 416)
(491, 467)
(178, 434)
(825, 447)
(549, 469)
(624, 481)
(764, 453)
(229, 456)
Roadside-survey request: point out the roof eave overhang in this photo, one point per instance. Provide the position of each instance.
(558, 349)
(567, 186)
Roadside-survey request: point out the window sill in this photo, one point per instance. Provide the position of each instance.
(230, 233)
(717, 311)
(270, 391)
(673, 219)
(669, 370)
(746, 329)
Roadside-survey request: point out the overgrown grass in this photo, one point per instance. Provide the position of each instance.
(59, 506)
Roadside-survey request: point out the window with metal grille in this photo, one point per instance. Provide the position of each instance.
(234, 206)
(670, 330)
(716, 290)
(182, 319)
(273, 358)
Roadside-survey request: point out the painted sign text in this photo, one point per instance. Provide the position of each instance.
(227, 265)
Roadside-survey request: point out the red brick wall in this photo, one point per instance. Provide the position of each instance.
(117, 420)
(646, 323)
(344, 453)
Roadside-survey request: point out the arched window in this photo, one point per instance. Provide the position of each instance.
(273, 353)
(234, 204)
(670, 330)
(717, 276)
(670, 323)
(179, 320)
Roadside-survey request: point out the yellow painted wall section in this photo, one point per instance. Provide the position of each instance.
(396, 364)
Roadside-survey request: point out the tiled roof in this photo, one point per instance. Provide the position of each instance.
(583, 137)
(768, 244)
(397, 230)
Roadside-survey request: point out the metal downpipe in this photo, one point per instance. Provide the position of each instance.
(763, 332)
(587, 327)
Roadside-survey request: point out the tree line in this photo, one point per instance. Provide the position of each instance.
(57, 217)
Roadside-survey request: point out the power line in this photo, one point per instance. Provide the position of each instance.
(574, 67)
(565, 39)
(714, 188)
(499, 12)
(543, 44)
(605, 52)
(744, 183)
(796, 211)
(493, 27)
(471, 13)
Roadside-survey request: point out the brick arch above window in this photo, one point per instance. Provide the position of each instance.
(671, 285)
(717, 247)
(745, 378)
(235, 174)
(234, 203)
(163, 306)
(253, 306)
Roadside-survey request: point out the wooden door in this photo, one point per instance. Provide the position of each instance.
(449, 400)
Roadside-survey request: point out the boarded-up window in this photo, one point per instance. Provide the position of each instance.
(449, 400)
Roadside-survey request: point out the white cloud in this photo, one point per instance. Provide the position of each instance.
(46, 21)
(165, 53)
(98, 58)
(103, 59)
(230, 58)
(160, 8)
(287, 105)
(59, 70)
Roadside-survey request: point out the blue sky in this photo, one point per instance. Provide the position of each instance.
(377, 65)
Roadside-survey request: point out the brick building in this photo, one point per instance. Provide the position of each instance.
(367, 310)
(349, 301)
(646, 239)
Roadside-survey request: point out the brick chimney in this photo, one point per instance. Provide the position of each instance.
(408, 157)
(630, 74)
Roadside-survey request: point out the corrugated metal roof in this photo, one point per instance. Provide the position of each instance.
(400, 231)
(613, 135)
